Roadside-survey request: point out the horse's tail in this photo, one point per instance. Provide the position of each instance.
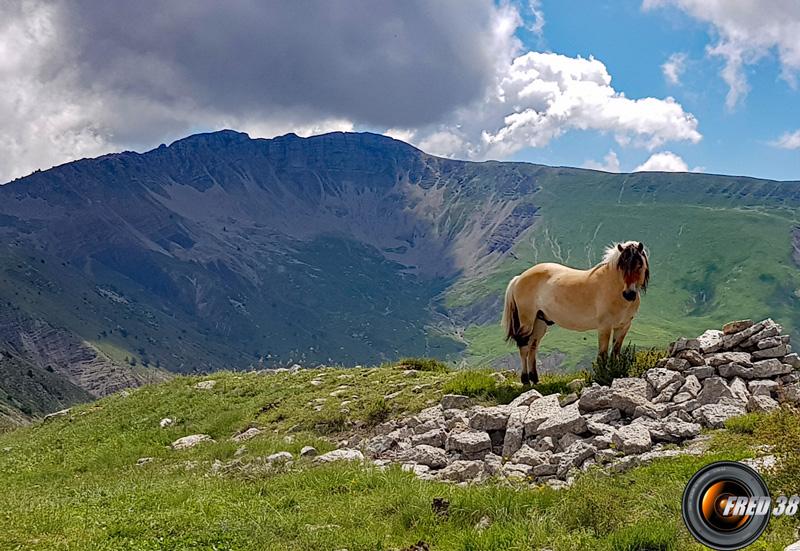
(511, 324)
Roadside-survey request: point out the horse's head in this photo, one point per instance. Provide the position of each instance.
(633, 263)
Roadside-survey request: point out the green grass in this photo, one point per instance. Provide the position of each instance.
(73, 484)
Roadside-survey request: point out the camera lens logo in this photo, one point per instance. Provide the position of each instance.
(726, 505)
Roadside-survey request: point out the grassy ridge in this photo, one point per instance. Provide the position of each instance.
(73, 483)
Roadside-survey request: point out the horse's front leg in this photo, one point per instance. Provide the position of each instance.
(603, 340)
(619, 336)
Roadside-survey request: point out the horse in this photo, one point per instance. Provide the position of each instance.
(605, 297)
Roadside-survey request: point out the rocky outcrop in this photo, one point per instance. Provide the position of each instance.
(702, 383)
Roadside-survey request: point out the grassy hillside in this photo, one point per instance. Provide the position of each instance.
(72, 483)
(711, 261)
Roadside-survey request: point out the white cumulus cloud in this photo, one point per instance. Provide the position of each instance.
(610, 163)
(541, 95)
(673, 68)
(788, 140)
(747, 31)
(663, 161)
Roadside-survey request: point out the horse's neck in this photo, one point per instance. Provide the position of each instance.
(604, 270)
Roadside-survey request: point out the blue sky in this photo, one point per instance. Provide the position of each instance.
(558, 82)
(633, 44)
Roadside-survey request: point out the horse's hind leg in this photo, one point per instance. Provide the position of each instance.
(539, 329)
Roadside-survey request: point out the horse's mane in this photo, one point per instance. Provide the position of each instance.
(612, 252)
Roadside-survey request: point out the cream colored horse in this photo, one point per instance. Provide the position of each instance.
(605, 298)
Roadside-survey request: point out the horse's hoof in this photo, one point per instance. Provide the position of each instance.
(525, 379)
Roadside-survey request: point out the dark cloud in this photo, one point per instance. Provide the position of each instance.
(382, 63)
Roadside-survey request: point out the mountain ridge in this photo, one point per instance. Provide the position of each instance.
(223, 251)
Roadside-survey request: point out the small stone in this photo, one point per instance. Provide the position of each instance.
(60, 413)
(434, 437)
(490, 418)
(771, 329)
(246, 435)
(525, 399)
(714, 389)
(166, 422)
(528, 456)
(760, 402)
(471, 443)
(539, 411)
(455, 401)
(545, 444)
(734, 339)
(565, 420)
(605, 416)
(517, 470)
(736, 326)
(701, 372)
(574, 456)
(675, 364)
(793, 360)
(769, 342)
(545, 469)
(691, 386)
(435, 458)
(144, 461)
(715, 415)
(492, 463)
(596, 398)
(710, 341)
(190, 441)
(308, 451)
(694, 357)
(342, 454)
(776, 352)
(483, 524)
(721, 358)
(661, 377)
(206, 385)
(462, 471)
(567, 399)
(567, 440)
(279, 457)
(764, 387)
(739, 390)
(669, 391)
(683, 344)
(631, 439)
(515, 430)
(766, 369)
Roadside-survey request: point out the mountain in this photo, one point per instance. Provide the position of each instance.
(222, 251)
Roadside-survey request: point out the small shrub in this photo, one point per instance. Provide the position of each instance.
(644, 360)
(781, 429)
(423, 364)
(556, 383)
(481, 384)
(613, 366)
(743, 424)
(329, 420)
(377, 411)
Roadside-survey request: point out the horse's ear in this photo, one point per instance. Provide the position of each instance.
(641, 247)
(619, 246)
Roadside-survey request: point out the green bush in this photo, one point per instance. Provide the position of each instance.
(651, 536)
(377, 411)
(613, 366)
(557, 383)
(644, 360)
(481, 384)
(743, 424)
(781, 429)
(422, 364)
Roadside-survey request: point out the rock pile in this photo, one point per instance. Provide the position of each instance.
(703, 382)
